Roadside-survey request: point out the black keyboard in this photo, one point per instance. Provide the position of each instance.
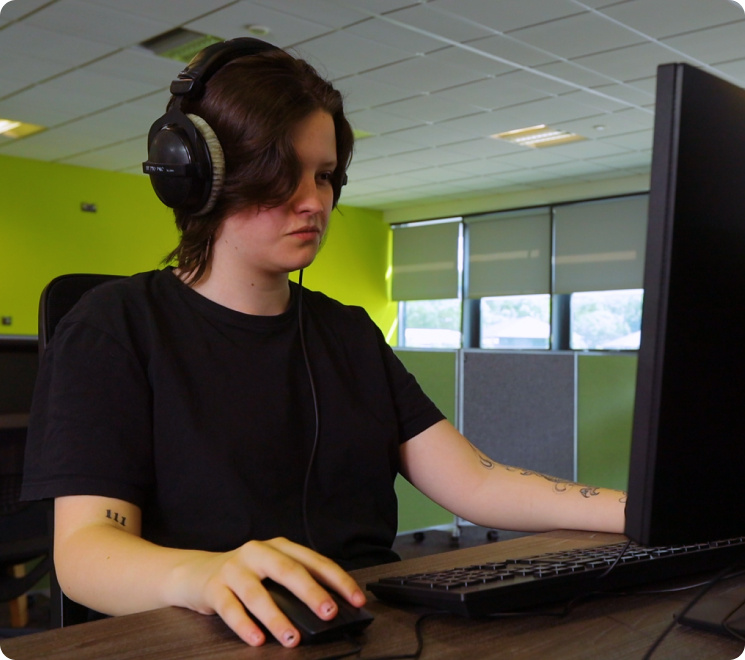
(529, 582)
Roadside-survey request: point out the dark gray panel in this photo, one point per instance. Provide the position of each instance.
(519, 408)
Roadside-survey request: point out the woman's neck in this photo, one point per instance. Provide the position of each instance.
(267, 296)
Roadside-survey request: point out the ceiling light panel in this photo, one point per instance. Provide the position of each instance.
(538, 136)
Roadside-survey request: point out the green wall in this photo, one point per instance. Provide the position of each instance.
(44, 233)
(436, 372)
(606, 385)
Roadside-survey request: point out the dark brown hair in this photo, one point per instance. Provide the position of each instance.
(253, 104)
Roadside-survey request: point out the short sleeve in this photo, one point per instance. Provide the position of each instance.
(416, 411)
(90, 426)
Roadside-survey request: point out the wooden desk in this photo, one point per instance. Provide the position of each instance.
(608, 628)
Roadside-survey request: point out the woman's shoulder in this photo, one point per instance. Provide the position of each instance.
(114, 301)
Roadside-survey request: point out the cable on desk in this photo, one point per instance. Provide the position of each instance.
(726, 625)
(407, 656)
(708, 587)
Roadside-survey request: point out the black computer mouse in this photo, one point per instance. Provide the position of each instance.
(350, 620)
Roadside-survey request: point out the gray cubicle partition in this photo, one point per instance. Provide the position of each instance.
(520, 408)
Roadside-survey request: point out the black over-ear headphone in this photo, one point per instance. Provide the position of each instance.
(184, 157)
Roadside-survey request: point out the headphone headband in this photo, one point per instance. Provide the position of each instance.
(192, 80)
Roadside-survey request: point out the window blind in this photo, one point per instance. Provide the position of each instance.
(509, 253)
(425, 261)
(600, 246)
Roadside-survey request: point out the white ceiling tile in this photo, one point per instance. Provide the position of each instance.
(616, 123)
(507, 15)
(138, 65)
(327, 12)
(512, 51)
(733, 71)
(429, 108)
(483, 147)
(664, 18)
(232, 21)
(529, 158)
(378, 122)
(627, 63)
(381, 31)
(577, 35)
(381, 145)
(96, 22)
(12, 79)
(621, 161)
(493, 93)
(636, 141)
(21, 40)
(585, 149)
(434, 157)
(340, 54)
(427, 21)
(719, 44)
(421, 74)
(124, 156)
(575, 75)
(470, 61)
(631, 94)
(361, 91)
(428, 136)
(597, 100)
(174, 12)
(376, 6)
(13, 11)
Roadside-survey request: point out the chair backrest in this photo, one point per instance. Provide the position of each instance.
(58, 298)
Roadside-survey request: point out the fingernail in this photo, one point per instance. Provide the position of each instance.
(289, 637)
(257, 639)
(359, 598)
(328, 608)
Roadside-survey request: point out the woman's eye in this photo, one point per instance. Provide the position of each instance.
(326, 176)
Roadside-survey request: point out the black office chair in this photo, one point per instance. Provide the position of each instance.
(58, 298)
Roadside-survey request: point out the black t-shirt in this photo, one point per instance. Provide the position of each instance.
(204, 417)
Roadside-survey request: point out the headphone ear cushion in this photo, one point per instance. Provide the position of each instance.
(217, 158)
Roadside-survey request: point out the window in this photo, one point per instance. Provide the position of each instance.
(522, 322)
(430, 323)
(552, 277)
(427, 273)
(606, 320)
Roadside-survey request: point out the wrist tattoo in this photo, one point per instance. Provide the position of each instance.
(122, 520)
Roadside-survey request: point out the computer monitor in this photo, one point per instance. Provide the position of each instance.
(687, 469)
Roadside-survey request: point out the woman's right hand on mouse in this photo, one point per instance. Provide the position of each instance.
(228, 584)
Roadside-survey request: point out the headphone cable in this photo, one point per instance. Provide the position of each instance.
(314, 397)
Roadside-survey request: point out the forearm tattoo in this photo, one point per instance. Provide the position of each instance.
(563, 485)
(483, 459)
(122, 520)
(559, 485)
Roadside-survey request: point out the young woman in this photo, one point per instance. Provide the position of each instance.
(212, 424)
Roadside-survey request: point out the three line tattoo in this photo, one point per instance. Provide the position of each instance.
(560, 485)
(122, 520)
